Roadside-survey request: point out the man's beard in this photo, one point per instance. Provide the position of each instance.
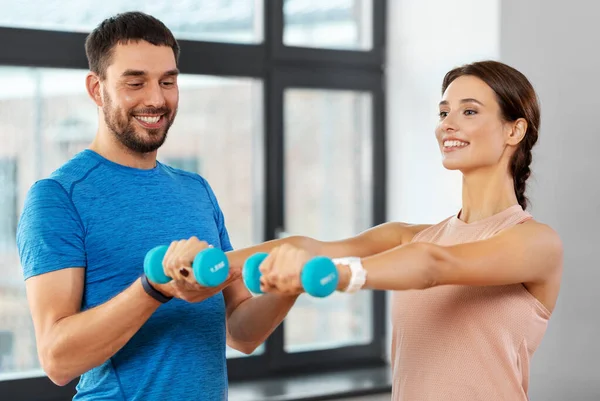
(124, 127)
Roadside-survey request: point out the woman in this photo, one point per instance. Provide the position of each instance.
(472, 294)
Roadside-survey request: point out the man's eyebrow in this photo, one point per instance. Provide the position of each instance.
(141, 73)
(133, 73)
(173, 72)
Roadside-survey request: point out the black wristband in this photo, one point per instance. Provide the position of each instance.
(153, 292)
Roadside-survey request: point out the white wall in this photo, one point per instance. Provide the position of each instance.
(557, 45)
(426, 38)
(422, 45)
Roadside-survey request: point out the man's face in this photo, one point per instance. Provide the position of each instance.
(140, 95)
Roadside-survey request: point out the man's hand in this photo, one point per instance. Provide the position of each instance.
(193, 292)
(177, 264)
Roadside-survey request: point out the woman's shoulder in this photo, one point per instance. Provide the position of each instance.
(411, 231)
(537, 230)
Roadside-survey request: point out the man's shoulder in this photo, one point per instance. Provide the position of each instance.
(191, 179)
(73, 170)
(183, 174)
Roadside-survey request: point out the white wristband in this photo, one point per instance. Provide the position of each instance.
(358, 275)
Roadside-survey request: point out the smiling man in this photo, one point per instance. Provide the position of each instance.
(85, 229)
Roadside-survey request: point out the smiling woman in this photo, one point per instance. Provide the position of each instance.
(484, 281)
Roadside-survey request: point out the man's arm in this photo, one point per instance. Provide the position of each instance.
(71, 342)
(51, 244)
(251, 320)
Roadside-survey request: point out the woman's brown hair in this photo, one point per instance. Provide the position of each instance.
(517, 99)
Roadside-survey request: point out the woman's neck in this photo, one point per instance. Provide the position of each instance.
(486, 193)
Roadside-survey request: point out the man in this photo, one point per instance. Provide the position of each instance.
(84, 232)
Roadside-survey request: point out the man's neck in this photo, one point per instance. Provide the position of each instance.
(111, 149)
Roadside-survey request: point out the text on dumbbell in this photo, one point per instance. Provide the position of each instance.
(327, 279)
(217, 267)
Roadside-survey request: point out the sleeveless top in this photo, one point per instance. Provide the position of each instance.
(457, 342)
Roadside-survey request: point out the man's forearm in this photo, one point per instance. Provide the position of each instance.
(83, 341)
(256, 318)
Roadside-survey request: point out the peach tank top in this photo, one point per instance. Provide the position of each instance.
(459, 343)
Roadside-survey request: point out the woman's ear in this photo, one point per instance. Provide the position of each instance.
(517, 131)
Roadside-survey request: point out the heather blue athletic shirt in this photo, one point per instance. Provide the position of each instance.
(104, 217)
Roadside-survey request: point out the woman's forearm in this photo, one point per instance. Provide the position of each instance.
(411, 266)
(239, 256)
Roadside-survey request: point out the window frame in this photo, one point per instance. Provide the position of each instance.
(278, 67)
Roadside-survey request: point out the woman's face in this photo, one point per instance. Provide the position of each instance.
(471, 132)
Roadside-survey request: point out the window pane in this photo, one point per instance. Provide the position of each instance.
(46, 117)
(328, 195)
(238, 21)
(333, 24)
(218, 133)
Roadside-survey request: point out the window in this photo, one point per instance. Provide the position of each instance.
(6, 351)
(284, 120)
(8, 202)
(218, 133)
(190, 163)
(47, 113)
(237, 21)
(13, 316)
(333, 24)
(328, 195)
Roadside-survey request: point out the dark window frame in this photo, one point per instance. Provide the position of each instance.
(279, 67)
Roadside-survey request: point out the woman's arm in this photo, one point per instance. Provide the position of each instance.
(370, 242)
(527, 253)
(530, 253)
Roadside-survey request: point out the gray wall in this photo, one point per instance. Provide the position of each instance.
(557, 45)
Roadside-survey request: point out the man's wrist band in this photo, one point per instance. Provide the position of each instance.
(153, 292)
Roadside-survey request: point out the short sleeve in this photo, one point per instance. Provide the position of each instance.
(220, 219)
(223, 233)
(50, 234)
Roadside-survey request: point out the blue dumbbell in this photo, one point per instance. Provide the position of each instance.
(211, 266)
(319, 276)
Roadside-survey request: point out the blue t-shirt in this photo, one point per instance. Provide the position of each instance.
(104, 217)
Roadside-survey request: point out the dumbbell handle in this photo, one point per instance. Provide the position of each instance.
(210, 266)
(319, 276)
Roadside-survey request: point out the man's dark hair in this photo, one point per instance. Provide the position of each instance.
(123, 28)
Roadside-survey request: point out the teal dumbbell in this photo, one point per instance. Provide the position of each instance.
(319, 276)
(211, 266)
